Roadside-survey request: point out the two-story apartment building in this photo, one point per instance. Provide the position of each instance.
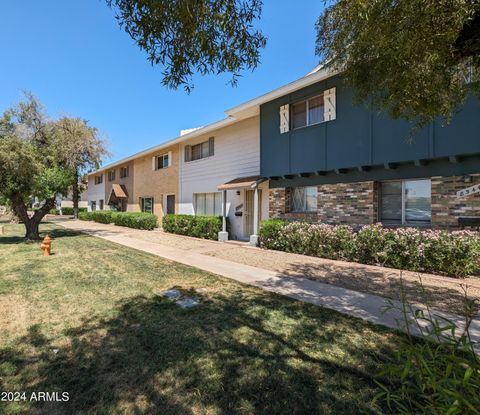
(331, 161)
(222, 162)
(305, 151)
(147, 181)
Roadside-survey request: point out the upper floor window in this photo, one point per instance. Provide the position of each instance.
(111, 175)
(303, 199)
(99, 179)
(406, 202)
(123, 172)
(200, 150)
(308, 112)
(163, 161)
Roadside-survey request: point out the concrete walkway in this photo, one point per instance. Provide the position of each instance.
(365, 306)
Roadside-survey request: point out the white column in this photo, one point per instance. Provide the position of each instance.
(254, 237)
(223, 234)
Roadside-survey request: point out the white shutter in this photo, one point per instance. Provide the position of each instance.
(154, 159)
(284, 119)
(330, 105)
(169, 158)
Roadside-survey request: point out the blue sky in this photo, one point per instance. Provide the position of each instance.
(74, 57)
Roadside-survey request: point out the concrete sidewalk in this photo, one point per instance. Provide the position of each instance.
(365, 306)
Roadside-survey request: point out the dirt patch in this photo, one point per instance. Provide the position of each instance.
(443, 293)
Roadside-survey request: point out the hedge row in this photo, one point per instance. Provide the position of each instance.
(455, 254)
(137, 220)
(206, 227)
(66, 211)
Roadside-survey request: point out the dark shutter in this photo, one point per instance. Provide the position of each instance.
(188, 153)
(211, 146)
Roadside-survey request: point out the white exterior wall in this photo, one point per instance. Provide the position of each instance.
(237, 154)
(96, 192)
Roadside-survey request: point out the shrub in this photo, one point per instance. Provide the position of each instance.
(452, 253)
(136, 220)
(269, 234)
(439, 374)
(103, 216)
(54, 212)
(85, 215)
(206, 227)
(69, 210)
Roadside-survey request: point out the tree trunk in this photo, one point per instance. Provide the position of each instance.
(76, 196)
(32, 223)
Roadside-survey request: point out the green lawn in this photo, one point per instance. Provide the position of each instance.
(90, 321)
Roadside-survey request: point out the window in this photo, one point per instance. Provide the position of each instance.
(200, 150)
(208, 204)
(111, 175)
(162, 161)
(303, 199)
(308, 112)
(123, 172)
(99, 179)
(93, 206)
(100, 203)
(406, 202)
(146, 204)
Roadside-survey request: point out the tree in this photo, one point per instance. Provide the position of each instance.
(79, 149)
(187, 36)
(410, 57)
(416, 59)
(33, 161)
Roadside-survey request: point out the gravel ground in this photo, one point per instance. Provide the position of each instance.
(443, 293)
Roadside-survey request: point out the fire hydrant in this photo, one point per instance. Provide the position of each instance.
(46, 245)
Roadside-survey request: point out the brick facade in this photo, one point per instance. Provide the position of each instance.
(446, 207)
(347, 203)
(357, 203)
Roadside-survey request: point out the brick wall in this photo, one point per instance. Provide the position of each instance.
(349, 203)
(446, 207)
(357, 203)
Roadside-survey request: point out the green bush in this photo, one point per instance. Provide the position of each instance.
(85, 216)
(69, 210)
(206, 227)
(103, 216)
(137, 220)
(439, 374)
(54, 212)
(451, 253)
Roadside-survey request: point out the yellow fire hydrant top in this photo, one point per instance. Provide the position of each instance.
(46, 245)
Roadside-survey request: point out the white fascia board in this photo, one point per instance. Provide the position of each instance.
(252, 107)
(181, 139)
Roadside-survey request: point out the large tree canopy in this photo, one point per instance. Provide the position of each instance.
(413, 58)
(40, 157)
(187, 36)
(416, 59)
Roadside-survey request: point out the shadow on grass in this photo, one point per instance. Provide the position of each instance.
(231, 355)
(54, 233)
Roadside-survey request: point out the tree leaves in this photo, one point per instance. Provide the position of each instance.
(188, 36)
(400, 56)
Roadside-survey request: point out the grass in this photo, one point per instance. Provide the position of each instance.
(90, 321)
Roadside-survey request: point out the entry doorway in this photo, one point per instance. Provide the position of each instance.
(248, 212)
(170, 204)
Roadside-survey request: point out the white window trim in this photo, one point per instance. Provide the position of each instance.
(307, 110)
(161, 156)
(153, 203)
